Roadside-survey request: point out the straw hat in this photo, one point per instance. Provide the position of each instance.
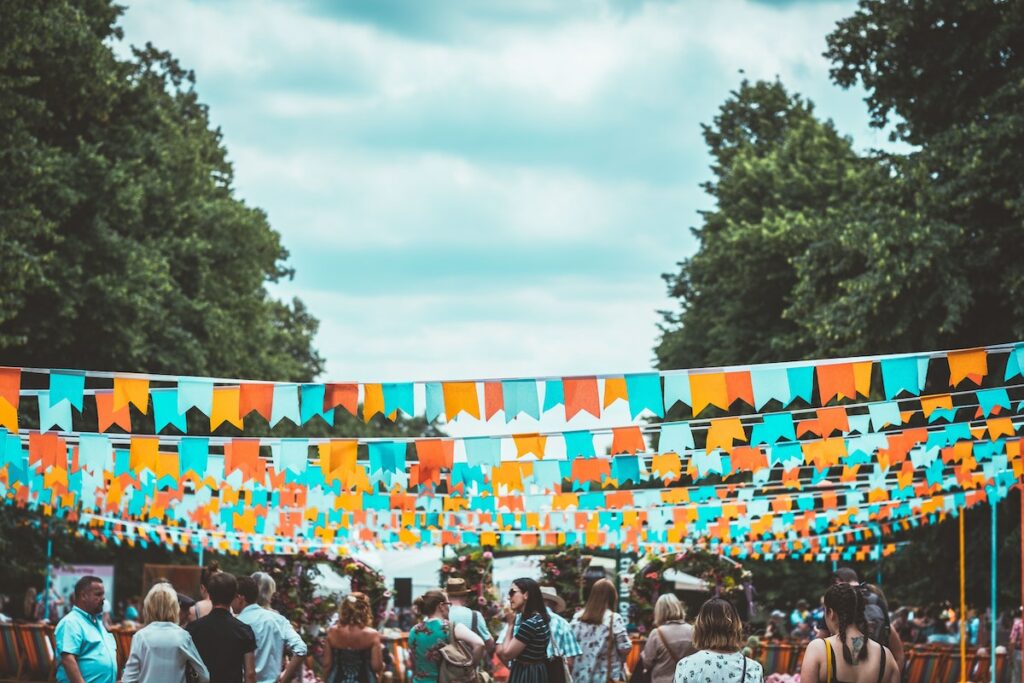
(550, 596)
(456, 588)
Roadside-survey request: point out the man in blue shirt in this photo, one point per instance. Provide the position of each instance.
(87, 651)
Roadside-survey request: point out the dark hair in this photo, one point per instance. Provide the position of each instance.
(248, 589)
(222, 588)
(845, 575)
(534, 599)
(718, 626)
(83, 584)
(208, 571)
(602, 597)
(428, 603)
(847, 602)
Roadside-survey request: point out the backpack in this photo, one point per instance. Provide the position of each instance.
(876, 616)
(456, 661)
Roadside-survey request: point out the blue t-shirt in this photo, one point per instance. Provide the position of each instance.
(82, 635)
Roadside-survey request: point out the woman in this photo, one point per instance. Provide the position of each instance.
(434, 631)
(671, 640)
(204, 606)
(28, 611)
(526, 646)
(863, 660)
(718, 635)
(601, 633)
(354, 653)
(162, 651)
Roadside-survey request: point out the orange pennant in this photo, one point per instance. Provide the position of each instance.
(8, 416)
(460, 397)
(107, 416)
(929, 404)
(628, 440)
(142, 453)
(258, 397)
(373, 401)
(494, 399)
(971, 364)
(530, 443)
(722, 432)
(581, 395)
(344, 395)
(738, 387)
(833, 419)
(10, 385)
(862, 377)
(836, 380)
(615, 389)
(708, 389)
(131, 391)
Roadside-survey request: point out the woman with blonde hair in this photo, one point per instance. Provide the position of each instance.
(354, 653)
(601, 633)
(670, 641)
(162, 651)
(718, 635)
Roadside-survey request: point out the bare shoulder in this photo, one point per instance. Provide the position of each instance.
(815, 648)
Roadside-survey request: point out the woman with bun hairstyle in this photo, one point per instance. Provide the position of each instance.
(526, 646)
(354, 653)
(432, 633)
(863, 660)
(204, 606)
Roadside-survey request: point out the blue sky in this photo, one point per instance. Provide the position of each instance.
(485, 189)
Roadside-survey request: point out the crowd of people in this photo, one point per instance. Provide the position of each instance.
(233, 635)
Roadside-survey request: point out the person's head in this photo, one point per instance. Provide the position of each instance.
(209, 571)
(844, 607)
(668, 608)
(718, 627)
(266, 587)
(602, 597)
(222, 588)
(185, 604)
(161, 604)
(801, 604)
(433, 603)
(552, 600)
(457, 589)
(247, 592)
(846, 575)
(525, 597)
(354, 610)
(89, 594)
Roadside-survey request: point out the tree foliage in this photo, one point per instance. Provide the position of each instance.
(124, 244)
(813, 249)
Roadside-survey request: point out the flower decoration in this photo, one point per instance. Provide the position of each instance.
(564, 570)
(474, 566)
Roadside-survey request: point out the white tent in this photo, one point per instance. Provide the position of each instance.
(686, 582)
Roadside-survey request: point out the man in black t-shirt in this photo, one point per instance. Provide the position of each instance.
(226, 645)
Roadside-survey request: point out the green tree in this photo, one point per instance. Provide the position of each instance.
(124, 244)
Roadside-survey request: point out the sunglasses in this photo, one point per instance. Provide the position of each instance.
(513, 591)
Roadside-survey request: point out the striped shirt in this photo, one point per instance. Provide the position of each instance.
(562, 637)
(534, 633)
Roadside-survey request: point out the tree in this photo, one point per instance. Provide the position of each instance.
(124, 245)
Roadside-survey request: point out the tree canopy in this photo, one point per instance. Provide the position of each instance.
(125, 246)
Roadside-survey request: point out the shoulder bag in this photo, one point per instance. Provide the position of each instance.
(456, 661)
(611, 648)
(558, 668)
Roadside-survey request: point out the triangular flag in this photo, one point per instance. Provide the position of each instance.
(493, 399)
(10, 385)
(66, 385)
(460, 397)
(615, 389)
(225, 407)
(580, 394)
(106, 416)
(130, 390)
(708, 389)
(195, 392)
(971, 364)
(258, 397)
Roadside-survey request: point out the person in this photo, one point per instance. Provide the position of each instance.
(204, 605)
(28, 605)
(273, 632)
(670, 641)
(863, 660)
(433, 633)
(457, 591)
(601, 633)
(49, 605)
(131, 610)
(799, 614)
(876, 614)
(563, 640)
(185, 605)
(87, 652)
(227, 645)
(525, 646)
(717, 635)
(162, 651)
(776, 627)
(5, 604)
(354, 649)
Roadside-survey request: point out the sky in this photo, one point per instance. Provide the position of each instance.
(485, 189)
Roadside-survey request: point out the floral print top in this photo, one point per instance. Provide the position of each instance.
(425, 642)
(714, 667)
(592, 665)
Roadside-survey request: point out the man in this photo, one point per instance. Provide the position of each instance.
(272, 632)
(563, 641)
(876, 613)
(226, 645)
(459, 613)
(87, 651)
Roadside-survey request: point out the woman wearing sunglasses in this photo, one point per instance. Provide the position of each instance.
(526, 646)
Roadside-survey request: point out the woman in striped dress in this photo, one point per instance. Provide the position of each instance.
(527, 645)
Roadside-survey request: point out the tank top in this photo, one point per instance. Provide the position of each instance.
(830, 664)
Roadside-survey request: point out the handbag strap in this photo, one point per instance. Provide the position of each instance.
(743, 676)
(664, 641)
(608, 670)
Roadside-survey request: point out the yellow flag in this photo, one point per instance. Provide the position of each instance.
(225, 407)
(133, 391)
(460, 397)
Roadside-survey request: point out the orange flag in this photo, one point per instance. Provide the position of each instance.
(107, 416)
(738, 386)
(833, 419)
(628, 440)
(460, 397)
(10, 385)
(131, 391)
(8, 416)
(226, 407)
(373, 400)
(615, 389)
(837, 379)
(929, 404)
(258, 397)
(723, 432)
(494, 399)
(971, 364)
(581, 395)
(708, 389)
(344, 395)
(142, 454)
